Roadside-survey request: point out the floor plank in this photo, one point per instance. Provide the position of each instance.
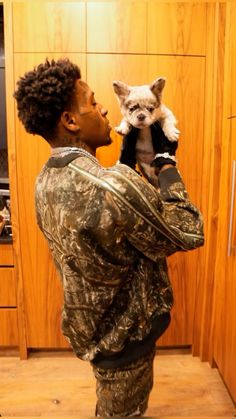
(58, 384)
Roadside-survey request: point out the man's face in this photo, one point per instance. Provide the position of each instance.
(94, 128)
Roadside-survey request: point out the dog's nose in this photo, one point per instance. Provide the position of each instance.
(141, 117)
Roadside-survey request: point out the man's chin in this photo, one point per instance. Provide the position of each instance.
(108, 141)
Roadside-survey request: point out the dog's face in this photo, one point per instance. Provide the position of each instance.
(140, 104)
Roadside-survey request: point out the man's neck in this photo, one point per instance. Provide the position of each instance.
(72, 143)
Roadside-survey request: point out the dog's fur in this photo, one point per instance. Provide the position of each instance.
(141, 106)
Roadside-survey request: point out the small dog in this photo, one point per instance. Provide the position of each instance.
(141, 107)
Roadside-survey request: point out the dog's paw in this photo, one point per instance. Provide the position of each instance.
(122, 130)
(172, 133)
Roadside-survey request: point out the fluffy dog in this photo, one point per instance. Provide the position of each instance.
(142, 108)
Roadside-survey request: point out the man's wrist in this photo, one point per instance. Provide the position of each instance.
(161, 169)
(166, 155)
(166, 166)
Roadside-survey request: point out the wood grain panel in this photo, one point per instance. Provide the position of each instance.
(7, 287)
(109, 68)
(42, 289)
(9, 327)
(185, 83)
(6, 255)
(9, 62)
(49, 26)
(183, 95)
(211, 161)
(232, 110)
(225, 287)
(176, 28)
(115, 27)
(224, 325)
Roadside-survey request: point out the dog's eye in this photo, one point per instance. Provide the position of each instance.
(150, 109)
(133, 108)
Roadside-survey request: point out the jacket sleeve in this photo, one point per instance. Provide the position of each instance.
(157, 222)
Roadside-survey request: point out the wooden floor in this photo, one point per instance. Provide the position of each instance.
(58, 384)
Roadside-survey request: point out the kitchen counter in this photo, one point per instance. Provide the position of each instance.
(6, 240)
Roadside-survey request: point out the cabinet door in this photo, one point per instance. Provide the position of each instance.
(6, 255)
(185, 84)
(224, 342)
(122, 27)
(9, 327)
(108, 51)
(42, 288)
(225, 297)
(49, 26)
(7, 287)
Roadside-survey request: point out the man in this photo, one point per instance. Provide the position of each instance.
(109, 232)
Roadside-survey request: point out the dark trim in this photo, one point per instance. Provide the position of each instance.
(59, 162)
(134, 350)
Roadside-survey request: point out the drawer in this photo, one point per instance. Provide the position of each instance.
(9, 327)
(7, 287)
(6, 255)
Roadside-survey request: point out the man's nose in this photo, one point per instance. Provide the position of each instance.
(104, 111)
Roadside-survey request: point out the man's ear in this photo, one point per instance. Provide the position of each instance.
(157, 86)
(69, 121)
(121, 89)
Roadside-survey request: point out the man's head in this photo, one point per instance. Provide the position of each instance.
(44, 93)
(55, 103)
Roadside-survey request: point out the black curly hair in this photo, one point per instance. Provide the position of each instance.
(44, 93)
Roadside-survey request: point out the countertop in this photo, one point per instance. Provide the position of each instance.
(6, 240)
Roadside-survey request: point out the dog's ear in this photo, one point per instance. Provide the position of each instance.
(121, 89)
(157, 86)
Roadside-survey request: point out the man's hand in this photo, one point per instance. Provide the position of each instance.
(165, 150)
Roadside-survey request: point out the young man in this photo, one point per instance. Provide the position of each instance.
(109, 232)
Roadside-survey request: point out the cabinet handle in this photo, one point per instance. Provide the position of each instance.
(231, 213)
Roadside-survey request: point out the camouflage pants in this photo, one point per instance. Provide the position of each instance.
(124, 391)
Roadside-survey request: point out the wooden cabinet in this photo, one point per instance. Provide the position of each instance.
(135, 42)
(177, 28)
(224, 322)
(183, 267)
(48, 26)
(225, 288)
(8, 300)
(122, 28)
(7, 287)
(121, 51)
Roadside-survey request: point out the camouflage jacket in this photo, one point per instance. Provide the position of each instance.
(110, 232)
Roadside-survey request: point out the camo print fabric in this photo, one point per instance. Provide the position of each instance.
(109, 232)
(124, 391)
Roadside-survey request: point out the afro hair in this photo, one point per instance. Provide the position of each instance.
(44, 93)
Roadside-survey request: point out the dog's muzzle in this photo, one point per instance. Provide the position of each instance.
(141, 117)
